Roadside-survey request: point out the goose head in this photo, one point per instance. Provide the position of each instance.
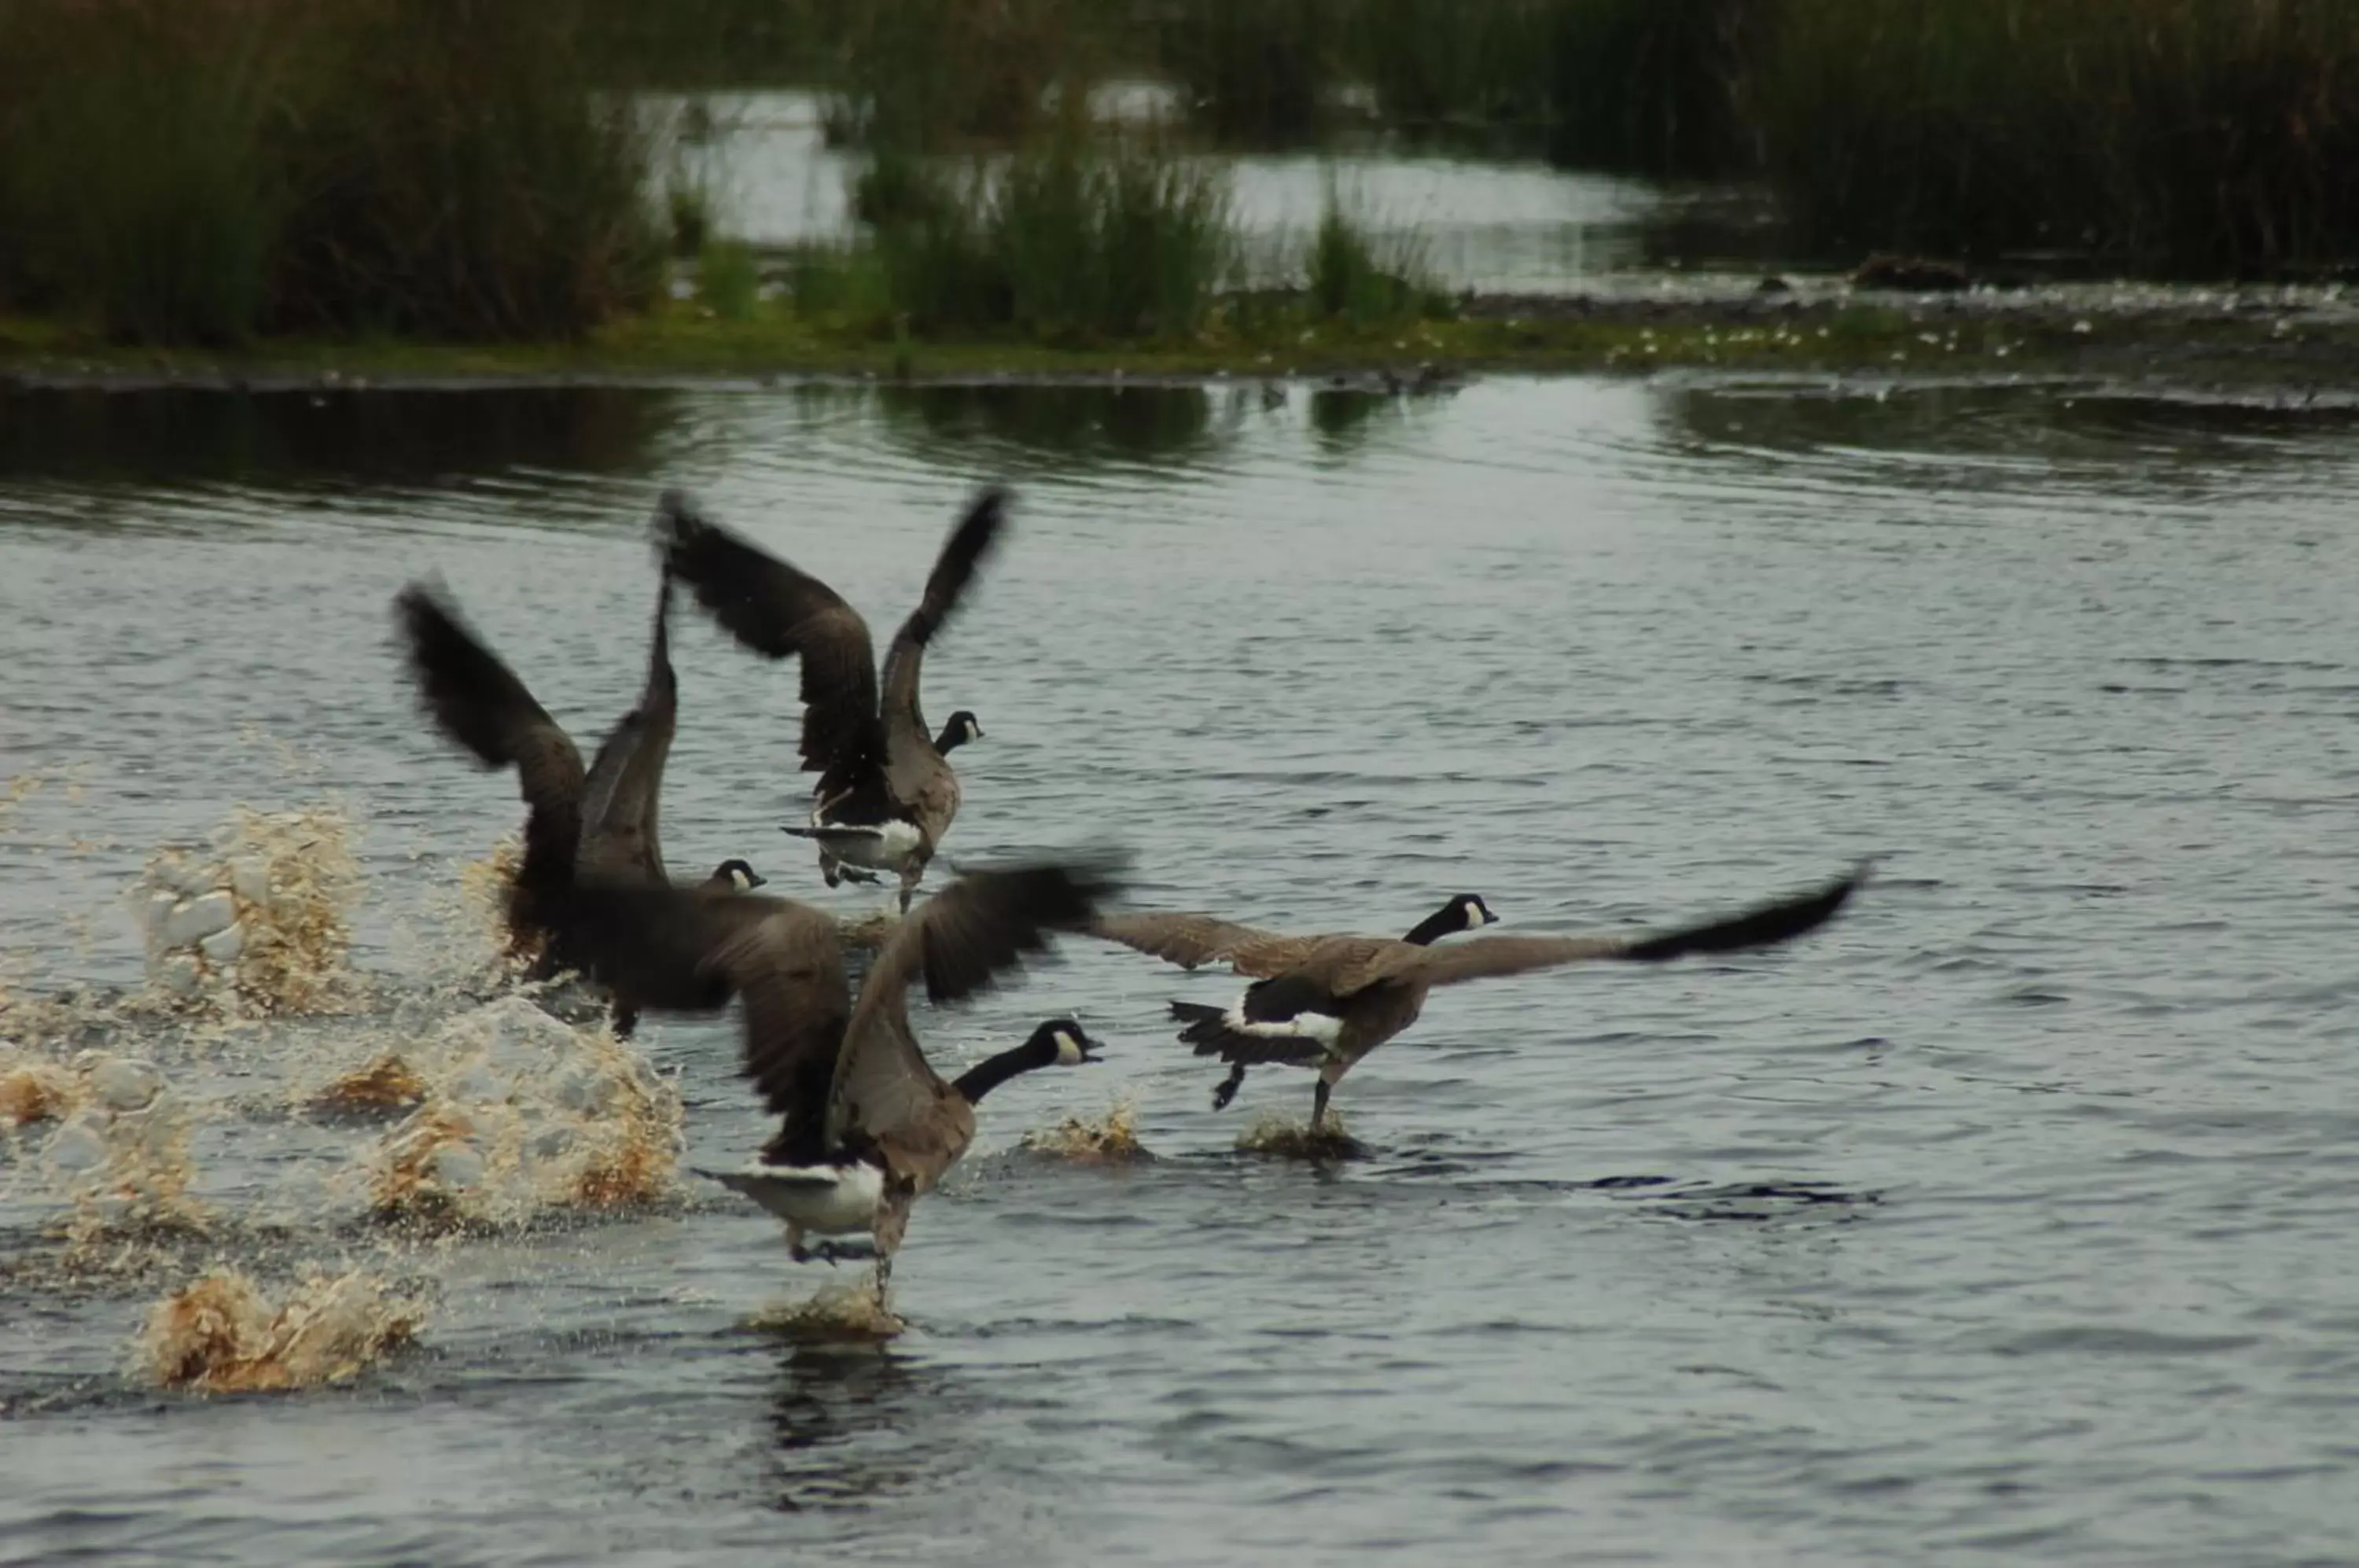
(1463, 913)
(1061, 1042)
(961, 729)
(735, 876)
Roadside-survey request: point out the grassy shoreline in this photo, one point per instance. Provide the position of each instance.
(2186, 341)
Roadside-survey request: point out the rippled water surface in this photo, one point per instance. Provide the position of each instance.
(2008, 1220)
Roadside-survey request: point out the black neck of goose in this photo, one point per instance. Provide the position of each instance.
(949, 740)
(992, 1072)
(1435, 926)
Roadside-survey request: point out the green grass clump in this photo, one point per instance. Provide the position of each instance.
(200, 170)
(2197, 137)
(1068, 240)
(688, 207)
(1358, 277)
(728, 280)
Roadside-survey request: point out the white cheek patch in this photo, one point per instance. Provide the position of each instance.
(1324, 1027)
(1069, 1051)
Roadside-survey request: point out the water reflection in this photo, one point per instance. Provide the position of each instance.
(1343, 419)
(1990, 435)
(1060, 426)
(840, 1421)
(300, 439)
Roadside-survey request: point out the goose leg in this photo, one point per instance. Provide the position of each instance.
(626, 1018)
(795, 1249)
(1319, 1105)
(1226, 1090)
(910, 886)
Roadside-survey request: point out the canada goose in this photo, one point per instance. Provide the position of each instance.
(866, 1125)
(1327, 1001)
(602, 823)
(886, 793)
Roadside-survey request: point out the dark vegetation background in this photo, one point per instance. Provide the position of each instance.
(205, 170)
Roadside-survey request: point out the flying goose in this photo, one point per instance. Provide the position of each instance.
(1327, 1001)
(866, 1125)
(600, 824)
(886, 793)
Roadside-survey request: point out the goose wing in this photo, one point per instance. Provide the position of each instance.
(1194, 939)
(911, 761)
(478, 703)
(623, 794)
(1763, 925)
(781, 613)
(958, 942)
(689, 950)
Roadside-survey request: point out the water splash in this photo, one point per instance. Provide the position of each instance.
(257, 923)
(1280, 1136)
(223, 1336)
(838, 1314)
(485, 887)
(1110, 1140)
(35, 1089)
(121, 1155)
(522, 1113)
(386, 1082)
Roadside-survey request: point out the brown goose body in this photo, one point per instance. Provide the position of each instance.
(603, 822)
(886, 793)
(866, 1126)
(1326, 1001)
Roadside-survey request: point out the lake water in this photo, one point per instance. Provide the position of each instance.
(2009, 1219)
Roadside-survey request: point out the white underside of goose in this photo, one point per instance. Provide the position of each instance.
(1324, 1027)
(881, 846)
(833, 1200)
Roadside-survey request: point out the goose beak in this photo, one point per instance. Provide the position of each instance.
(1090, 1049)
(755, 879)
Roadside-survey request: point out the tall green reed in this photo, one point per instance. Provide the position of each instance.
(198, 170)
(2199, 137)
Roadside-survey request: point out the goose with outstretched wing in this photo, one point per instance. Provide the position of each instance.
(601, 822)
(1324, 1002)
(866, 1125)
(886, 793)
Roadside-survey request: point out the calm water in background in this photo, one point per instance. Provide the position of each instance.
(2010, 1219)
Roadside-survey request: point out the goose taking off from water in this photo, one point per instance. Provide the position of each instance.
(1327, 1001)
(866, 1125)
(886, 793)
(600, 824)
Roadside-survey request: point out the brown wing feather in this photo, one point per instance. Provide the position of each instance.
(478, 703)
(1193, 939)
(959, 943)
(911, 761)
(782, 613)
(622, 796)
(1763, 925)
